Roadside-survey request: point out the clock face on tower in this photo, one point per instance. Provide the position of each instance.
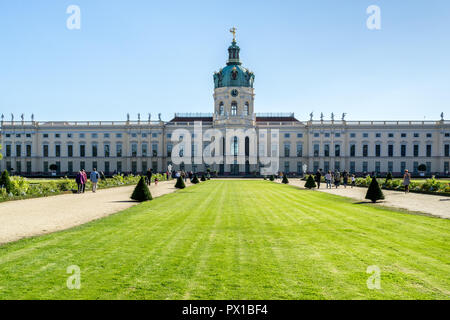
(234, 93)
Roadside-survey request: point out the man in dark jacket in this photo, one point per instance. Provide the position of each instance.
(318, 177)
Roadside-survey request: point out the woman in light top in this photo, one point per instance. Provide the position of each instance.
(406, 180)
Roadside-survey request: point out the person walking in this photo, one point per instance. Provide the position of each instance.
(328, 179)
(318, 177)
(83, 180)
(95, 176)
(337, 179)
(78, 180)
(149, 176)
(353, 180)
(345, 177)
(406, 180)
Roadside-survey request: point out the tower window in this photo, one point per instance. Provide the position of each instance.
(246, 108)
(234, 108)
(221, 109)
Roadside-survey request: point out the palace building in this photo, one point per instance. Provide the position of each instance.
(34, 148)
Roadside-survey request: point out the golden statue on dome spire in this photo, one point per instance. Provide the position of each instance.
(233, 31)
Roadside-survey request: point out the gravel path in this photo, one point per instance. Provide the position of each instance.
(32, 217)
(438, 206)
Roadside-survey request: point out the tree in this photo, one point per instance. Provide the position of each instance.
(141, 193)
(374, 192)
(422, 167)
(53, 167)
(310, 183)
(180, 183)
(195, 179)
(203, 178)
(285, 179)
(272, 178)
(5, 181)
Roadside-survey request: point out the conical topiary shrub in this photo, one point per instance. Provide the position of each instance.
(272, 178)
(5, 181)
(203, 178)
(374, 192)
(310, 183)
(180, 183)
(195, 180)
(285, 179)
(141, 192)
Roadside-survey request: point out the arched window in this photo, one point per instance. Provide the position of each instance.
(246, 108)
(234, 108)
(247, 146)
(221, 109)
(235, 146)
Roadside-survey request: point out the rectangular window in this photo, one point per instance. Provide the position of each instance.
(352, 135)
(299, 135)
(416, 167)
(429, 135)
(29, 167)
(94, 165)
(446, 167)
(106, 135)
(316, 166)
(402, 166)
(144, 150)
(378, 135)
(118, 135)
(416, 150)
(82, 165)
(299, 150)
(94, 135)
(45, 150)
(428, 168)
(365, 150)
(337, 150)
(144, 167)
(326, 150)
(134, 150)
(106, 150)
(403, 150)
(45, 166)
(326, 166)
(94, 150)
(390, 135)
(337, 165)
(403, 135)
(316, 151)
(70, 166)
(154, 135)
(18, 150)
(337, 134)
(327, 134)
(18, 167)
(57, 135)
(155, 166)
(107, 167)
(28, 150)
(169, 150)
(390, 166)
(447, 150)
(377, 150)
(377, 167)
(287, 135)
(287, 149)
(118, 151)
(416, 135)
(82, 150)
(365, 135)
(316, 134)
(365, 167)
(352, 167)
(119, 166)
(390, 150)
(82, 135)
(299, 168)
(428, 150)
(352, 150)
(70, 151)
(57, 150)
(155, 150)
(286, 167)
(8, 150)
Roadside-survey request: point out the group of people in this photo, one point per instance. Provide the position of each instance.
(81, 180)
(334, 178)
(183, 174)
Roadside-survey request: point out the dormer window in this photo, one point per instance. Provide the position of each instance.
(234, 108)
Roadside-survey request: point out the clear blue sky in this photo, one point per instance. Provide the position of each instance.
(159, 56)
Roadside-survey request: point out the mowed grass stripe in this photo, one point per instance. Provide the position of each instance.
(237, 240)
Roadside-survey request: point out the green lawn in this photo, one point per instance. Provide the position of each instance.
(237, 240)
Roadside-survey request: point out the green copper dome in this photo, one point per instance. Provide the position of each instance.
(233, 75)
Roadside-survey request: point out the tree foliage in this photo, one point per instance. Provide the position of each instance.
(180, 183)
(310, 183)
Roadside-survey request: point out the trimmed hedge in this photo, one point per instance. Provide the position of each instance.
(310, 183)
(141, 193)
